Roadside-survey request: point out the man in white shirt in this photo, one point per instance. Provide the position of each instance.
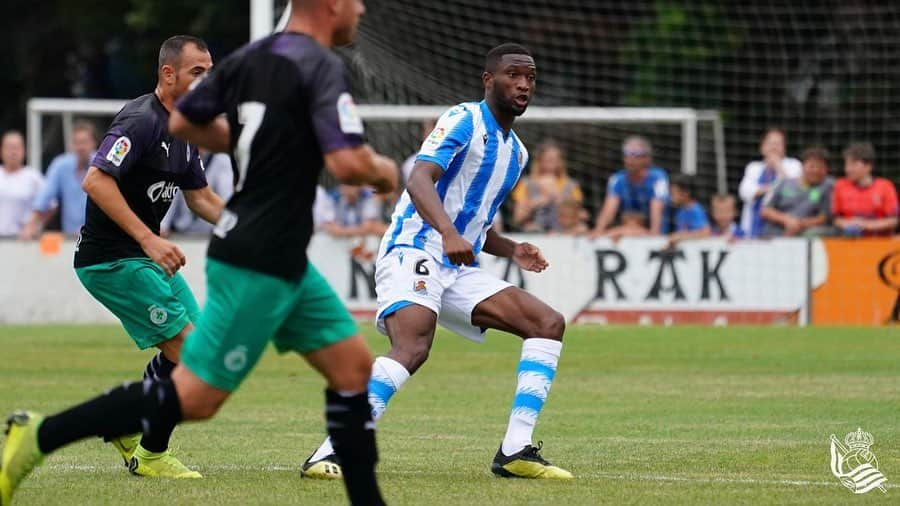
(19, 184)
(760, 176)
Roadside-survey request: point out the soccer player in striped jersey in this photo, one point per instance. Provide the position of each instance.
(427, 271)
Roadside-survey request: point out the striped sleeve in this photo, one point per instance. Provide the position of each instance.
(451, 134)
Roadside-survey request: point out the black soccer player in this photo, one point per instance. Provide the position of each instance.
(121, 258)
(289, 111)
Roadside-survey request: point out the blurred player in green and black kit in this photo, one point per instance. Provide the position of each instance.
(121, 259)
(288, 112)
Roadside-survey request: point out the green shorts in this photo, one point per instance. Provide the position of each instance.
(152, 307)
(245, 309)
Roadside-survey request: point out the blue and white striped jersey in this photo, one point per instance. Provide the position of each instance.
(481, 167)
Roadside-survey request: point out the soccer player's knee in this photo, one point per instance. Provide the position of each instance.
(551, 326)
(200, 408)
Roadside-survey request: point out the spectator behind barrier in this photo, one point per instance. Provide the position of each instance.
(62, 190)
(863, 204)
(537, 197)
(352, 211)
(632, 224)
(639, 187)
(800, 206)
(570, 218)
(724, 211)
(760, 176)
(690, 218)
(19, 184)
(220, 177)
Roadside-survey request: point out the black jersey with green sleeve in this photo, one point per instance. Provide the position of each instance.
(287, 101)
(149, 166)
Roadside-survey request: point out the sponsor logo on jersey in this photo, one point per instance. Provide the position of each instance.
(351, 122)
(119, 151)
(166, 147)
(165, 190)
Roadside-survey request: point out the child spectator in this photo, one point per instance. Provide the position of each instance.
(760, 176)
(863, 204)
(570, 218)
(690, 218)
(800, 206)
(724, 211)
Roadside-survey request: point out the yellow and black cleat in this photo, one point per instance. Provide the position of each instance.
(527, 463)
(326, 468)
(21, 453)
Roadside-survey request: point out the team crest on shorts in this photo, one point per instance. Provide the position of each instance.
(158, 315)
(420, 288)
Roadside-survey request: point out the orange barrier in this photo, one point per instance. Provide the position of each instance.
(863, 283)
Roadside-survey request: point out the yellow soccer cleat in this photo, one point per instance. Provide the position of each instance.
(21, 453)
(126, 446)
(527, 463)
(158, 465)
(325, 469)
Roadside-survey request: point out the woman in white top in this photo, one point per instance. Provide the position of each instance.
(18, 184)
(760, 176)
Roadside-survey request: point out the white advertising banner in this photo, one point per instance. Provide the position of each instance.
(632, 281)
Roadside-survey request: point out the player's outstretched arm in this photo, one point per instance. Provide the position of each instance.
(214, 136)
(363, 166)
(205, 203)
(103, 190)
(526, 255)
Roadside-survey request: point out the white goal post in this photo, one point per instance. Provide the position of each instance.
(687, 118)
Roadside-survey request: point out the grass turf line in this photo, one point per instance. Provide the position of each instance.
(641, 416)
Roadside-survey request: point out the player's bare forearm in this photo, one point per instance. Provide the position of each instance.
(205, 203)
(104, 191)
(423, 194)
(214, 136)
(497, 245)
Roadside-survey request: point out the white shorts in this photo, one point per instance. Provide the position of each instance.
(408, 276)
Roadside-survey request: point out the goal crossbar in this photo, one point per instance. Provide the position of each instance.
(687, 118)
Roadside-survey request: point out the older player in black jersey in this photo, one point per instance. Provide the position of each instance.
(288, 111)
(121, 258)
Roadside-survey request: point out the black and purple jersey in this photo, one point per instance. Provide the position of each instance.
(149, 166)
(287, 101)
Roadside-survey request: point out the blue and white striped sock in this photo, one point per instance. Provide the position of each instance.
(537, 367)
(388, 376)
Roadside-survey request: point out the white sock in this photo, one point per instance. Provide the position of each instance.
(388, 376)
(537, 367)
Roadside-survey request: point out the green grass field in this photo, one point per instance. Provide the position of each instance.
(640, 415)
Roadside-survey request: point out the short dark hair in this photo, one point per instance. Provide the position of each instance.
(862, 151)
(170, 50)
(496, 54)
(685, 182)
(815, 152)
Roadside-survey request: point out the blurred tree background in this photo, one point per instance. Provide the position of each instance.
(828, 71)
